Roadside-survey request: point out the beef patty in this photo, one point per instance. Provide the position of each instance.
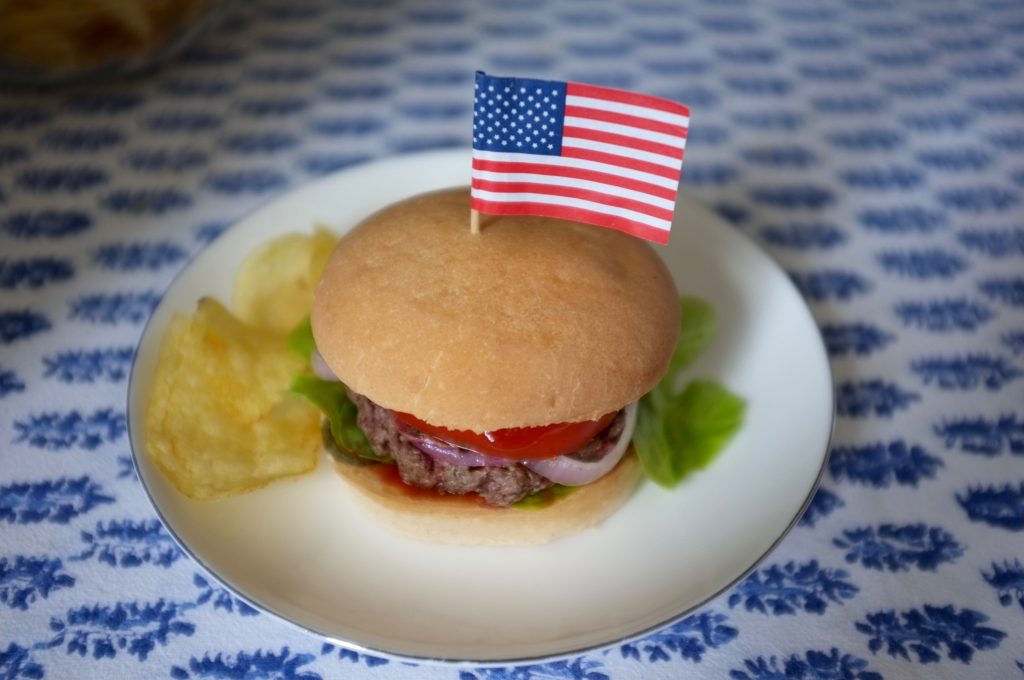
(499, 485)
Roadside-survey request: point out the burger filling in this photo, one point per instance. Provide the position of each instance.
(429, 461)
(502, 467)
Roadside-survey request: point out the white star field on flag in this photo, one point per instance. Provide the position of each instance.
(526, 119)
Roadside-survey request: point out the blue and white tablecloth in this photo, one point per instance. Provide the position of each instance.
(874, 147)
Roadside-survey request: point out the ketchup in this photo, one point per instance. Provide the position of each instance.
(389, 475)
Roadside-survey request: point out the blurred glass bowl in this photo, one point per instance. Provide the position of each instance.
(48, 42)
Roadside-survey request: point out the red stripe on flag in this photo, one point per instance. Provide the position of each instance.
(610, 94)
(625, 119)
(615, 222)
(622, 140)
(622, 161)
(509, 167)
(573, 192)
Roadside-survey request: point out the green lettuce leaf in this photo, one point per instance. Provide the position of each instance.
(699, 325)
(678, 432)
(331, 398)
(687, 432)
(300, 340)
(544, 497)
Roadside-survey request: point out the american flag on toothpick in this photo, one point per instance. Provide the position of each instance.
(577, 152)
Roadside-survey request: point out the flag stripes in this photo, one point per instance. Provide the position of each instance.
(578, 152)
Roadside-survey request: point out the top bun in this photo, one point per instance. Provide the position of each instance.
(530, 322)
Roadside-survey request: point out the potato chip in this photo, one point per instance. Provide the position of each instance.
(219, 421)
(274, 286)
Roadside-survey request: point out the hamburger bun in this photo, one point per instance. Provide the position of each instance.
(530, 322)
(460, 520)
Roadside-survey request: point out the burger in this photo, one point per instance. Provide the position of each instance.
(482, 388)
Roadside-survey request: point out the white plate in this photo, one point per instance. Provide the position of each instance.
(300, 550)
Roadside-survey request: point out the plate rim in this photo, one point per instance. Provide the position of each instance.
(442, 660)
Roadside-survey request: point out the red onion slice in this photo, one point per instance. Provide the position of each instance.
(561, 469)
(320, 367)
(440, 450)
(572, 472)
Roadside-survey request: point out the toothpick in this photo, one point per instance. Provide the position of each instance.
(474, 221)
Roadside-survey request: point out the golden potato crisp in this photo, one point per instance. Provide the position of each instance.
(219, 422)
(274, 286)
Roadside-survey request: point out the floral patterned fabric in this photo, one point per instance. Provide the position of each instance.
(874, 148)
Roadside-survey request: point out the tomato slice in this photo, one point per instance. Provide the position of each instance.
(518, 443)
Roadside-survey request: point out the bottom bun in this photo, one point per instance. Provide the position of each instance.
(464, 520)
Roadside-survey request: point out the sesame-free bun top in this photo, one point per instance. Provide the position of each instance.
(530, 322)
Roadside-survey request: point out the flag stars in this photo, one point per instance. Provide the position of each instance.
(517, 116)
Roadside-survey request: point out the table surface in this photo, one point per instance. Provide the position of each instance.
(872, 147)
